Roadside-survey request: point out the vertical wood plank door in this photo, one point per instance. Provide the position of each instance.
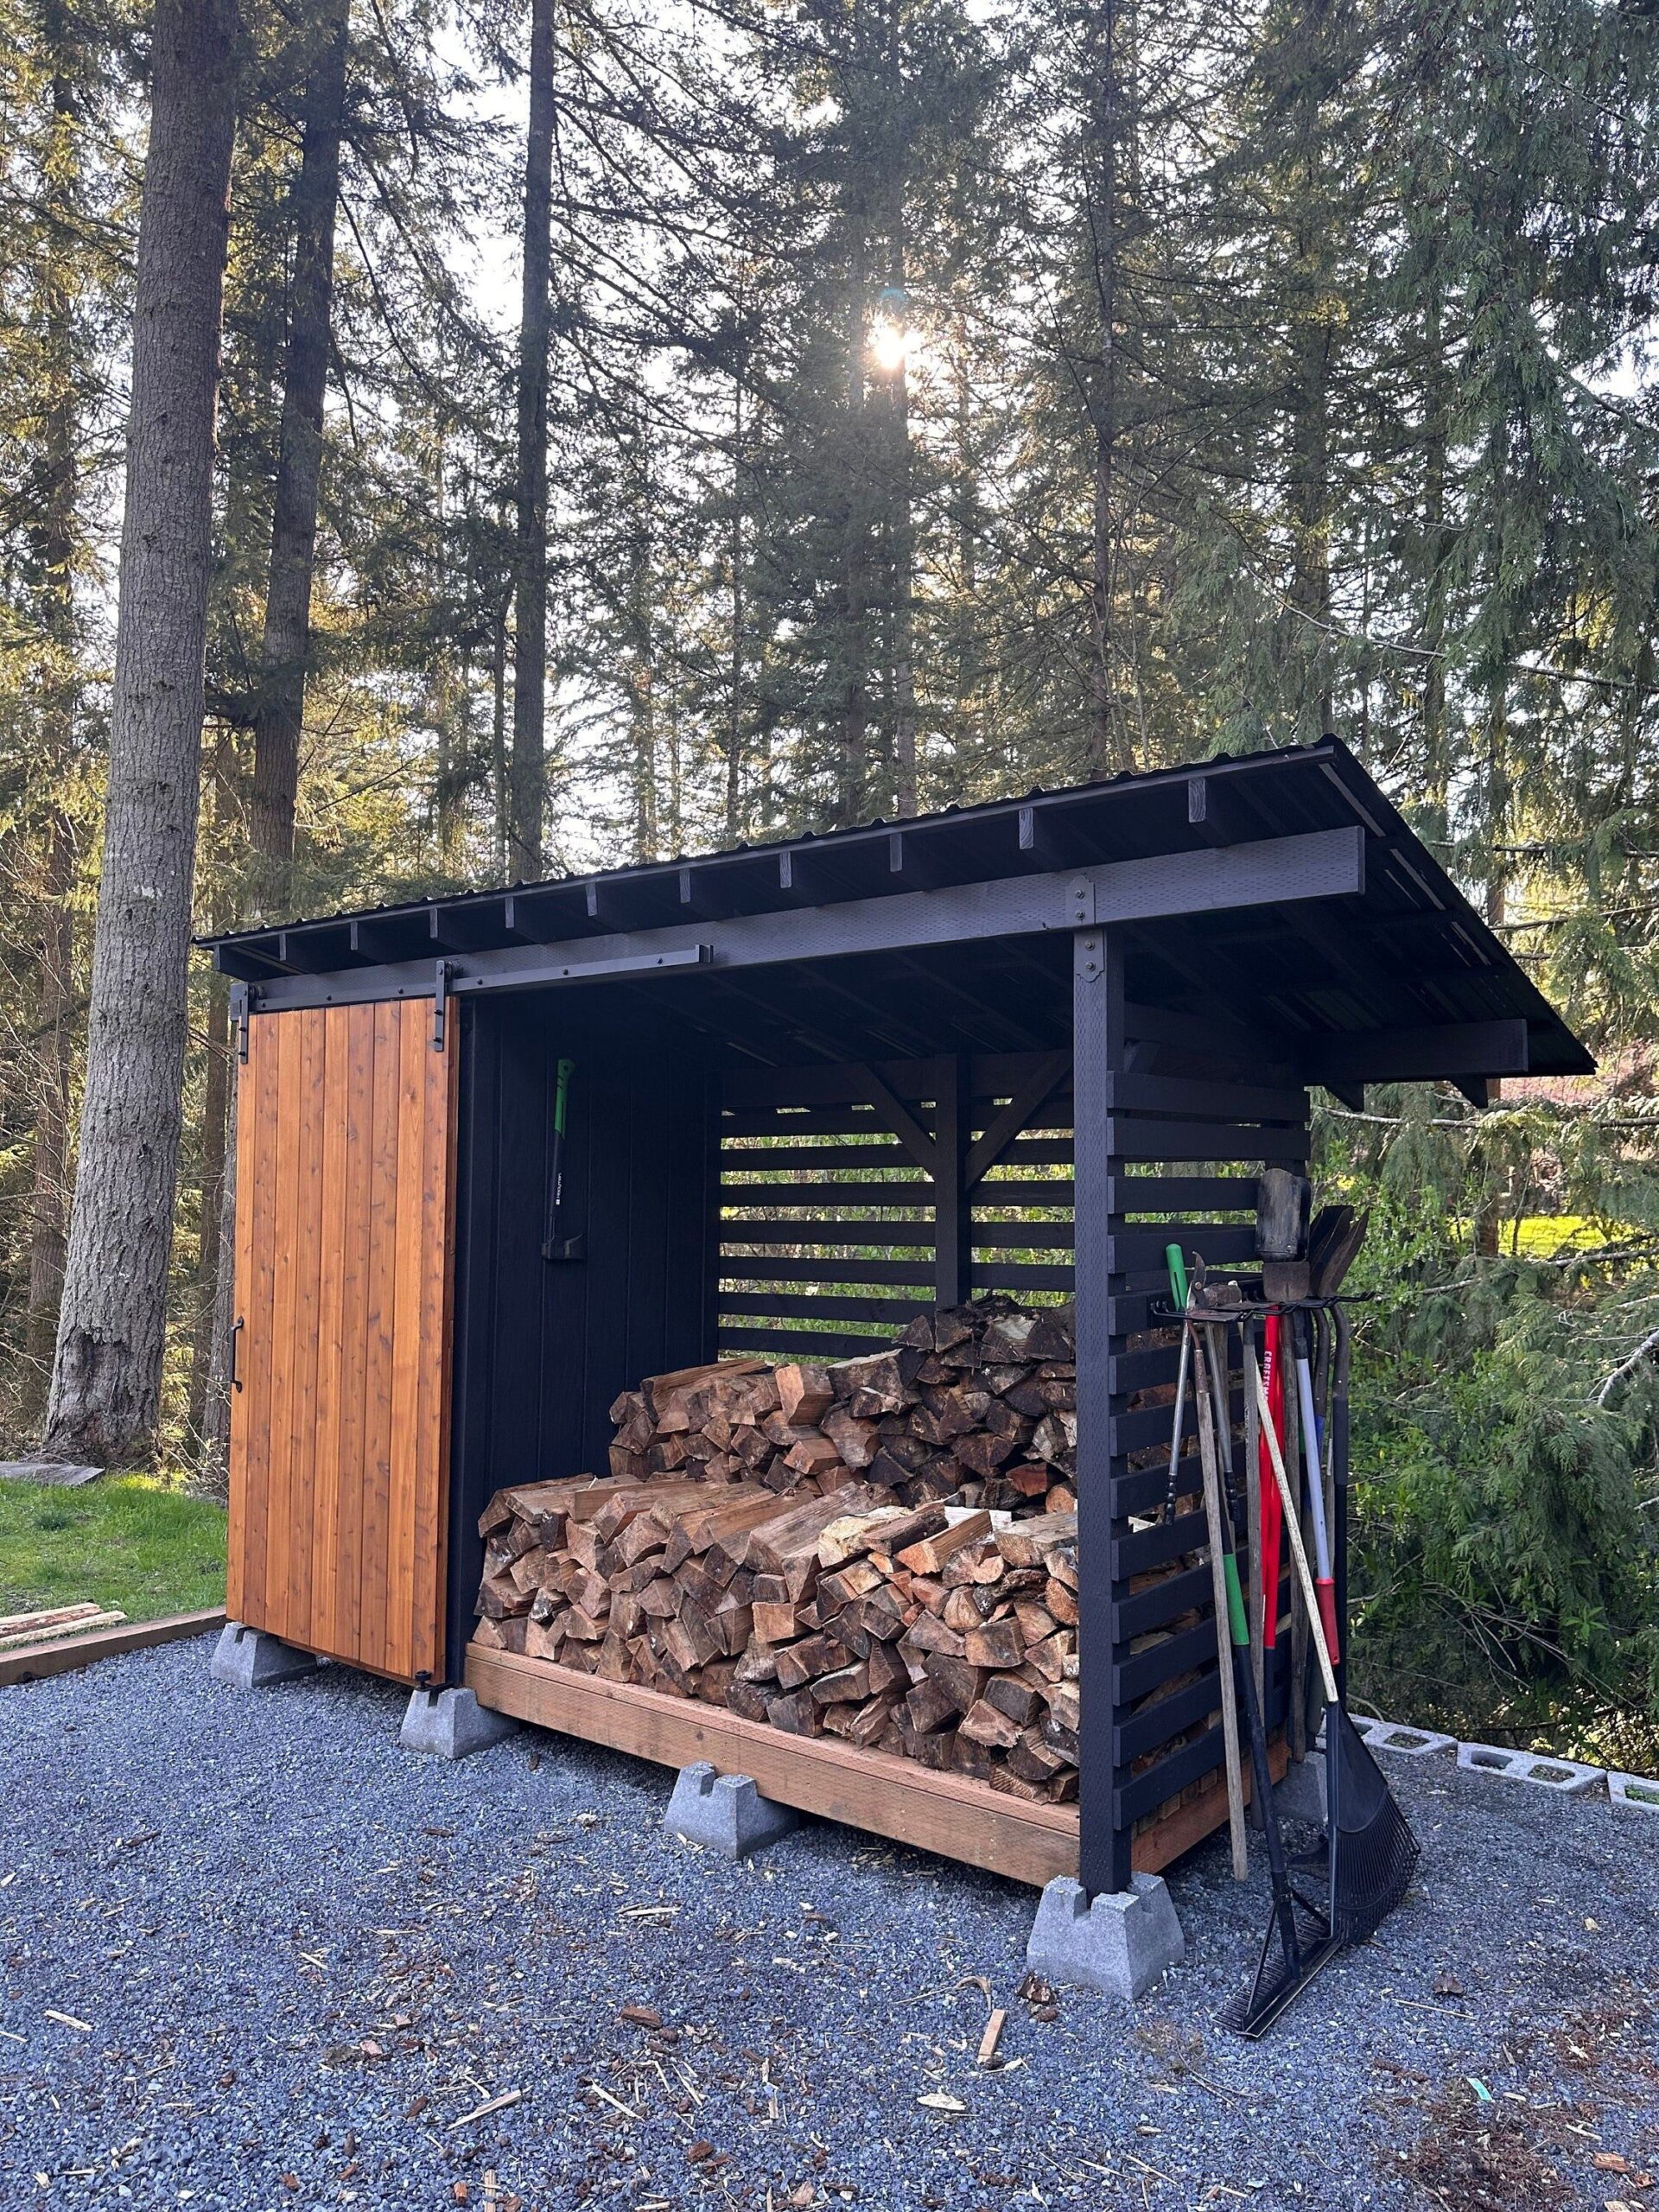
(340, 1421)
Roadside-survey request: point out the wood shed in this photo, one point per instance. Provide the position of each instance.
(819, 1086)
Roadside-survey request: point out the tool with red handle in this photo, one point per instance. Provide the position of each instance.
(1272, 1516)
(1325, 1585)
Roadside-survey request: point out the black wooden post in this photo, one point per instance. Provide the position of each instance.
(1098, 1049)
(953, 1212)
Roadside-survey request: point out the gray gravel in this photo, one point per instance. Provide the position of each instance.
(292, 1960)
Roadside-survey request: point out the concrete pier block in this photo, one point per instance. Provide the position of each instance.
(1633, 1793)
(248, 1659)
(1120, 1943)
(725, 1812)
(451, 1725)
(1566, 1777)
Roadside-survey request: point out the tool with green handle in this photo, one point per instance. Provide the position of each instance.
(554, 1246)
(1178, 1291)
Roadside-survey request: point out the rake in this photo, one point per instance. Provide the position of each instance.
(1369, 1853)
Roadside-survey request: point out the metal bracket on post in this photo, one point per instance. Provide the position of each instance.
(1080, 902)
(241, 1007)
(1089, 958)
(441, 1003)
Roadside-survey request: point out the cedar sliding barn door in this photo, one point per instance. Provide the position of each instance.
(339, 1414)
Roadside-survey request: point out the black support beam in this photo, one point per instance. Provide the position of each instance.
(1099, 1044)
(1274, 871)
(1453, 1050)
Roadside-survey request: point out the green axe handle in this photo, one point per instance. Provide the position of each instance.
(556, 1160)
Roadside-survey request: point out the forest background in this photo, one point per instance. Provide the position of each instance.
(642, 428)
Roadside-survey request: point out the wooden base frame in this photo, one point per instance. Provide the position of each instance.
(873, 1790)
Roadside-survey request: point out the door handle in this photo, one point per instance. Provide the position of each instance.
(236, 1330)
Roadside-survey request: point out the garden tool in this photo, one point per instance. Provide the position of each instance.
(1177, 1292)
(1324, 1581)
(1369, 1851)
(1299, 1940)
(1225, 1585)
(554, 1246)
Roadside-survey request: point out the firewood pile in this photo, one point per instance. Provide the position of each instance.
(921, 1629)
(882, 1549)
(975, 1404)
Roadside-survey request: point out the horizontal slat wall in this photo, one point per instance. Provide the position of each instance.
(1186, 1140)
(829, 1227)
(827, 1230)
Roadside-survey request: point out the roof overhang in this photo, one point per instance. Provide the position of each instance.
(1283, 887)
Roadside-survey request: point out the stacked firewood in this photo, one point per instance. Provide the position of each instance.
(923, 1629)
(976, 1403)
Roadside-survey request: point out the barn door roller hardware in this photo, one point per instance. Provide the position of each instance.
(441, 1002)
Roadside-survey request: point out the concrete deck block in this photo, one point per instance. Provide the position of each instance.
(1634, 1793)
(248, 1659)
(451, 1725)
(1566, 1777)
(1120, 1943)
(1300, 1796)
(725, 1812)
(1396, 1736)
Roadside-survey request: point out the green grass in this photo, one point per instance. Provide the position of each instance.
(127, 1542)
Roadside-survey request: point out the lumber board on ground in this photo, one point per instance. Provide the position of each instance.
(107, 1643)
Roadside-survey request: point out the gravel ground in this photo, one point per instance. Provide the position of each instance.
(254, 1956)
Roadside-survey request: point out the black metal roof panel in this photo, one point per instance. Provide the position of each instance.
(1410, 950)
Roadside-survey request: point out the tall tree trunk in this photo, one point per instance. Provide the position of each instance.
(641, 633)
(106, 1395)
(499, 766)
(49, 1191)
(735, 557)
(1312, 357)
(58, 702)
(529, 793)
(214, 1466)
(285, 657)
(214, 1258)
(285, 653)
(896, 460)
(1104, 127)
(856, 549)
(1437, 543)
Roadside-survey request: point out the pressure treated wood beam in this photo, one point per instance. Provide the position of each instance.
(1272, 871)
